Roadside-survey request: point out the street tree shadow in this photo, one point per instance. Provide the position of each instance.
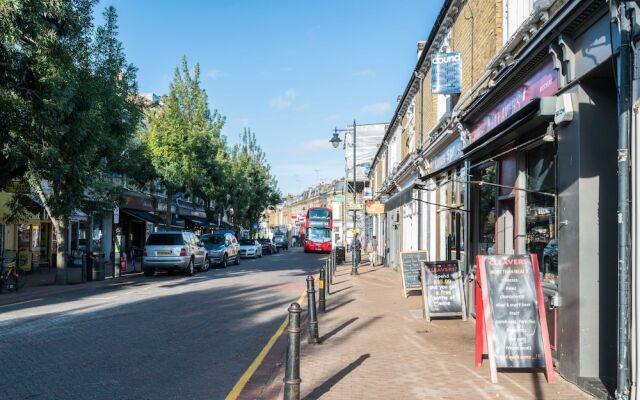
(331, 382)
(338, 329)
(338, 291)
(344, 303)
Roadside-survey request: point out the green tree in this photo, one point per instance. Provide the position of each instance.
(66, 90)
(253, 187)
(183, 138)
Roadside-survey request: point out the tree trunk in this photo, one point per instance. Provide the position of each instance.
(60, 229)
(169, 204)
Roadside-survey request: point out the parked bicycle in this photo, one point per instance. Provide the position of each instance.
(10, 278)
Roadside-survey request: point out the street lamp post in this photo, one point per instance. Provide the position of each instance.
(335, 141)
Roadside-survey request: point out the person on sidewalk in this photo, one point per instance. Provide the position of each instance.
(357, 247)
(372, 249)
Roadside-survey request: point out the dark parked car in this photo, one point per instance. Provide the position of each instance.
(281, 242)
(268, 247)
(222, 248)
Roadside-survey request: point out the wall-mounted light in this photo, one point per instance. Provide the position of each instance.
(550, 134)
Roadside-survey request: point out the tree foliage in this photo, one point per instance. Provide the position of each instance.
(66, 103)
(183, 137)
(254, 188)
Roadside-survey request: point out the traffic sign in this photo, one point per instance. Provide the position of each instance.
(355, 206)
(339, 198)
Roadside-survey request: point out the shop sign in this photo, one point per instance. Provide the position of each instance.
(116, 215)
(339, 198)
(442, 290)
(510, 314)
(17, 186)
(542, 83)
(410, 264)
(452, 152)
(137, 202)
(375, 207)
(446, 73)
(355, 206)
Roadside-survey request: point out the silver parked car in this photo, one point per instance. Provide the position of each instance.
(250, 248)
(221, 248)
(174, 250)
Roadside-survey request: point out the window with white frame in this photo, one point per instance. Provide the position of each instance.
(514, 13)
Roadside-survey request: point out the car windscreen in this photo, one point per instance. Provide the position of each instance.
(247, 242)
(165, 240)
(212, 240)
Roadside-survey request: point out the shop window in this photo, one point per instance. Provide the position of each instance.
(541, 209)
(487, 211)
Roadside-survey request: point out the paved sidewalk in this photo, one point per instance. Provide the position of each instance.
(377, 346)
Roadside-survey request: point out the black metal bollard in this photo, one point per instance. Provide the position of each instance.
(292, 368)
(311, 305)
(327, 268)
(321, 292)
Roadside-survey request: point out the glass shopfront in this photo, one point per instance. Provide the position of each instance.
(541, 210)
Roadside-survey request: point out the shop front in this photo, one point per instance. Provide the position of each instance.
(542, 184)
(30, 239)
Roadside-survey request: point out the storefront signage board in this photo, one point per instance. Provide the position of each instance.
(446, 73)
(511, 323)
(449, 154)
(410, 264)
(17, 186)
(375, 207)
(339, 198)
(442, 290)
(542, 83)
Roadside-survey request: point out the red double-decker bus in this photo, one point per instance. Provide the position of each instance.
(318, 227)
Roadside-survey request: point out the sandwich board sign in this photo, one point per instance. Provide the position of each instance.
(511, 324)
(410, 262)
(442, 290)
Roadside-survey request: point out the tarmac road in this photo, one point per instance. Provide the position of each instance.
(163, 337)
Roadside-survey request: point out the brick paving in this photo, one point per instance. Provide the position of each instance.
(376, 346)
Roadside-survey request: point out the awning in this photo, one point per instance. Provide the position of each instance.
(142, 215)
(400, 198)
(196, 220)
(536, 112)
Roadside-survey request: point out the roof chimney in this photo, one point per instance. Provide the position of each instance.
(421, 45)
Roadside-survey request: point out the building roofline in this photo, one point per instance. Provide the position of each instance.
(423, 56)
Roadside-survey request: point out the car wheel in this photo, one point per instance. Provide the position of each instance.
(237, 260)
(149, 272)
(189, 271)
(223, 263)
(205, 265)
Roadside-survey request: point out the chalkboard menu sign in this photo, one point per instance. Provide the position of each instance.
(511, 312)
(442, 290)
(410, 264)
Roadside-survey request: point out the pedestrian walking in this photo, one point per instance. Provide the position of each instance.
(357, 247)
(372, 249)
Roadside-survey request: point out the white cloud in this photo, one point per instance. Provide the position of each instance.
(283, 101)
(365, 73)
(215, 74)
(376, 108)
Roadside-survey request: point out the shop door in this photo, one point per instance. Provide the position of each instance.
(505, 227)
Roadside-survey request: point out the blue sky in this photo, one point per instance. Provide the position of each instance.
(289, 70)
